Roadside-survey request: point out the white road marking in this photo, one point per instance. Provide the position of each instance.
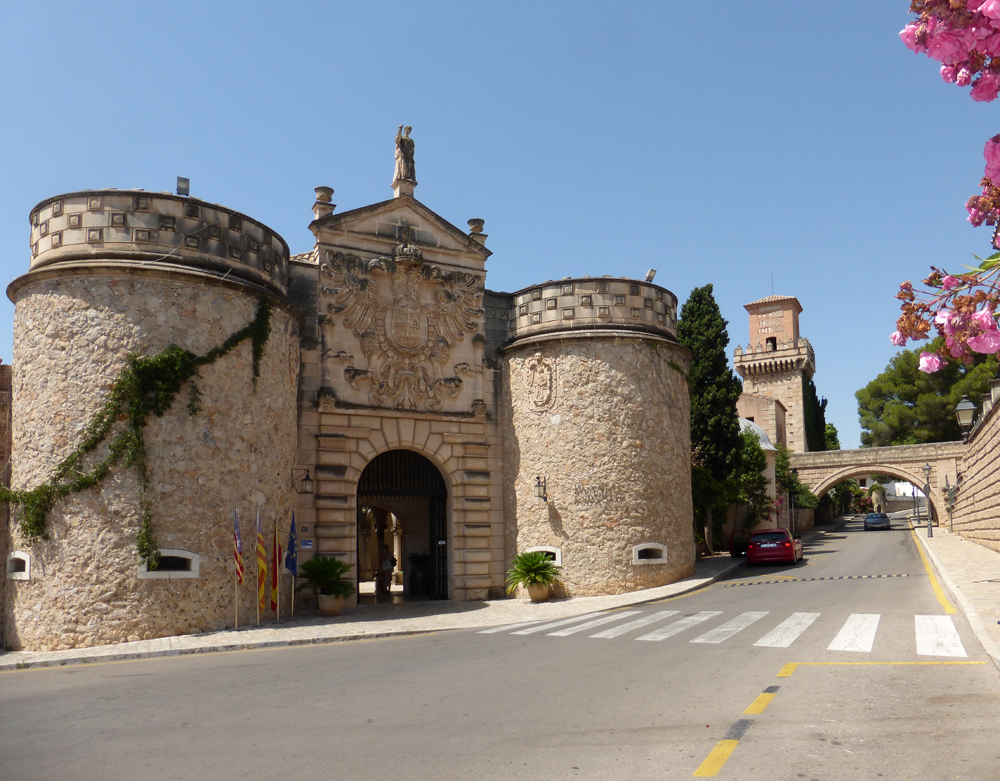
(788, 631)
(730, 628)
(507, 627)
(553, 624)
(595, 622)
(637, 624)
(857, 633)
(679, 626)
(937, 636)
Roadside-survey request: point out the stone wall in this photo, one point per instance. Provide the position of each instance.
(977, 507)
(603, 418)
(5, 450)
(73, 328)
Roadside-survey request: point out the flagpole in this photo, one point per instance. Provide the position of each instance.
(257, 556)
(277, 568)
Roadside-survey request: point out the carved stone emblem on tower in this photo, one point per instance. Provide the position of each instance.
(540, 382)
(407, 315)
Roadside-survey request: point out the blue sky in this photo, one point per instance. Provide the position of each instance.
(724, 143)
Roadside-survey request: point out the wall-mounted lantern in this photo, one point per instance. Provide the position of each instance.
(540, 489)
(301, 482)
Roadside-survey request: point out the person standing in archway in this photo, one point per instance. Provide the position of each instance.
(383, 578)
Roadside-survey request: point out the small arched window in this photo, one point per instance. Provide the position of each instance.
(174, 564)
(649, 553)
(554, 554)
(19, 565)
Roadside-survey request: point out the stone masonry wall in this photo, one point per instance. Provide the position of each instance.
(71, 336)
(977, 509)
(603, 417)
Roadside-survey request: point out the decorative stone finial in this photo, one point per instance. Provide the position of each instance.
(476, 230)
(404, 180)
(324, 205)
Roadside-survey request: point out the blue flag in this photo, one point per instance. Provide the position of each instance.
(292, 552)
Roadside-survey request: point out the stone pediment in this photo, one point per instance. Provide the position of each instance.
(378, 228)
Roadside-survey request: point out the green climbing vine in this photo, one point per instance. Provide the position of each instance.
(145, 386)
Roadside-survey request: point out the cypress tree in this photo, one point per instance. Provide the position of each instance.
(715, 428)
(714, 389)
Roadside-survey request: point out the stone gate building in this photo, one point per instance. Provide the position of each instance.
(454, 424)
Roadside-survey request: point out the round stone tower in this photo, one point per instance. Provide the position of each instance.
(128, 273)
(597, 443)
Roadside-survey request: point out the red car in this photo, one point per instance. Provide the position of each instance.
(774, 545)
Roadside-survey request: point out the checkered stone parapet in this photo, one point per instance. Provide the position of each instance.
(593, 303)
(135, 225)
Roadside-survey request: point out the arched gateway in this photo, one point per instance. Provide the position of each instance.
(407, 485)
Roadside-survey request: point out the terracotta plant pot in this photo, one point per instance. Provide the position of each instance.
(330, 606)
(539, 592)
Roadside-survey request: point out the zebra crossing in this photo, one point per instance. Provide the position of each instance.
(934, 635)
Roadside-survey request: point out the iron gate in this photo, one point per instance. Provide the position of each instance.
(403, 474)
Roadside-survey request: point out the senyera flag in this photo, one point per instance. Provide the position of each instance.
(275, 566)
(261, 566)
(237, 547)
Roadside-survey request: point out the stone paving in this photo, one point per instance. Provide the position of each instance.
(969, 573)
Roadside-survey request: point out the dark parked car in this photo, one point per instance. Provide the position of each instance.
(877, 521)
(774, 545)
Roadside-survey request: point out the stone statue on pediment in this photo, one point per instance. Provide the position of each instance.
(405, 169)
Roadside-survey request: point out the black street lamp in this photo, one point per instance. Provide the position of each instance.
(965, 411)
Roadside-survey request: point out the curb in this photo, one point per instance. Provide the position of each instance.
(87, 656)
(968, 609)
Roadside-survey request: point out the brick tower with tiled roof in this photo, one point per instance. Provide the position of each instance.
(775, 368)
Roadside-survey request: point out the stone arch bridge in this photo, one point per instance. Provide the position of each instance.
(823, 470)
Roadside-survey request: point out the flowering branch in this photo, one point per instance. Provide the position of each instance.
(964, 36)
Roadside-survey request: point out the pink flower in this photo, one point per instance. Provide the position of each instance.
(986, 88)
(930, 363)
(990, 9)
(909, 37)
(984, 319)
(992, 154)
(897, 339)
(955, 348)
(964, 77)
(947, 320)
(987, 342)
(949, 73)
(948, 47)
(976, 217)
(950, 282)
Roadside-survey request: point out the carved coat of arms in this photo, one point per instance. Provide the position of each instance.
(540, 382)
(407, 315)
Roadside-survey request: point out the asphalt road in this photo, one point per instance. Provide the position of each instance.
(832, 692)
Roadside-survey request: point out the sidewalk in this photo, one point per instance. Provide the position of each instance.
(970, 574)
(371, 621)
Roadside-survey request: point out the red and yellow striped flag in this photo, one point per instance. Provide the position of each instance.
(261, 566)
(237, 547)
(275, 566)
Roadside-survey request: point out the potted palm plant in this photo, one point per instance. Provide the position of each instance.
(534, 570)
(326, 575)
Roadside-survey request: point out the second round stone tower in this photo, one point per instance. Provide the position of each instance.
(597, 440)
(117, 278)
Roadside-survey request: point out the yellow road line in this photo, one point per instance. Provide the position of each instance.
(948, 608)
(716, 759)
(788, 670)
(758, 705)
(681, 596)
